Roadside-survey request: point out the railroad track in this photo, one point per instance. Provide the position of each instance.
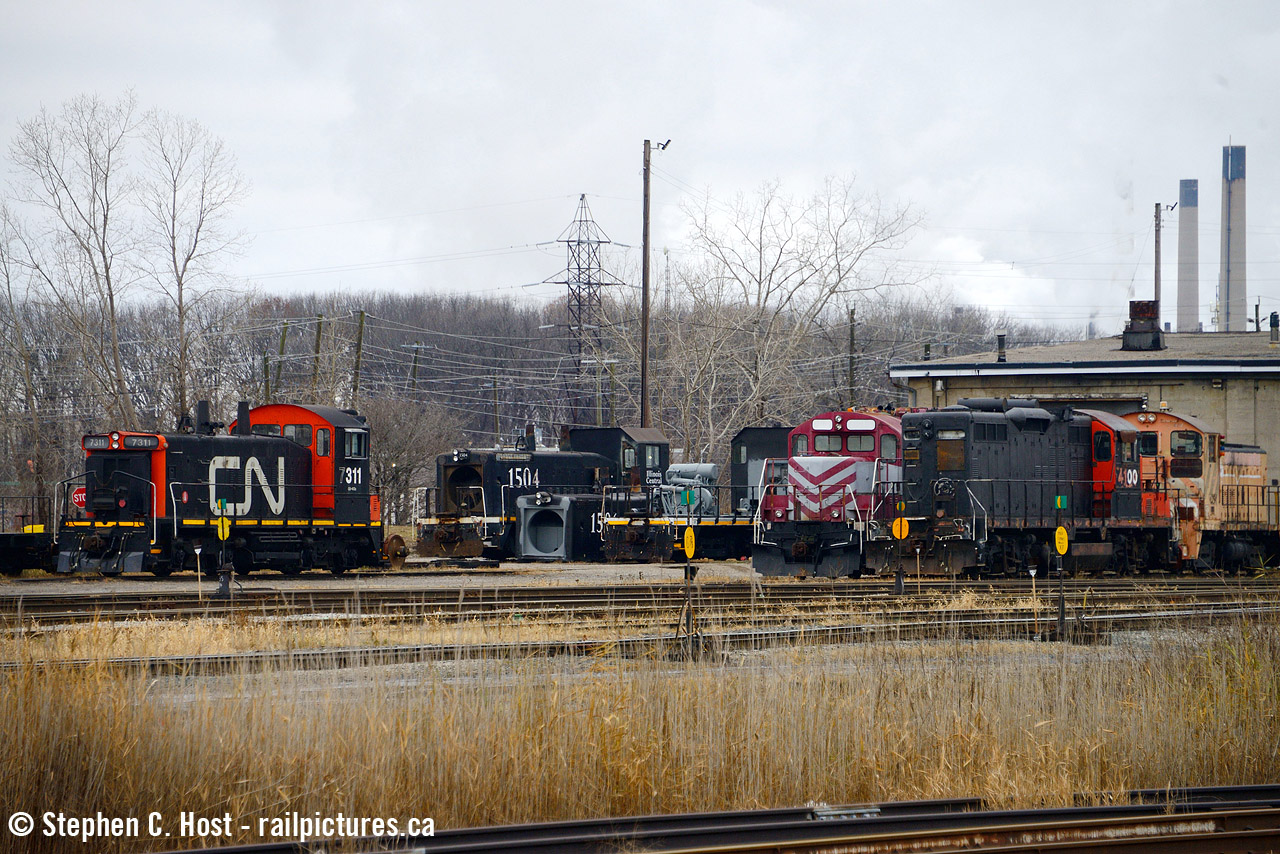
(1230, 819)
(24, 608)
(668, 646)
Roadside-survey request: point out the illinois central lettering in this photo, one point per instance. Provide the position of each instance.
(252, 468)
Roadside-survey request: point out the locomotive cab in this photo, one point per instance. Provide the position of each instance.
(1114, 444)
(118, 475)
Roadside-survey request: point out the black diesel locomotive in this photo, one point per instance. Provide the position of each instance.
(530, 502)
(287, 487)
(987, 482)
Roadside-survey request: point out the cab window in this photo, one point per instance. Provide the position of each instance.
(628, 458)
(1127, 452)
(300, 433)
(322, 442)
(951, 454)
(1184, 443)
(826, 442)
(357, 445)
(1148, 443)
(740, 453)
(863, 442)
(888, 446)
(265, 429)
(651, 456)
(1102, 447)
(799, 445)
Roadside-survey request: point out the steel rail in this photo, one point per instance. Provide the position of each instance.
(82, 607)
(1230, 818)
(648, 646)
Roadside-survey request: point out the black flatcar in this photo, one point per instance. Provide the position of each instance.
(286, 488)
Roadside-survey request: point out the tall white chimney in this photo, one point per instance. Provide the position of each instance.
(1188, 255)
(1232, 313)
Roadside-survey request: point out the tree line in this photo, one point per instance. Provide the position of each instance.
(117, 313)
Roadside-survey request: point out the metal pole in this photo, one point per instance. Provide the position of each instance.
(1062, 604)
(644, 299)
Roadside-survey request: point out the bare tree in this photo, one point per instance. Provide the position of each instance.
(188, 188)
(84, 250)
(762, 277)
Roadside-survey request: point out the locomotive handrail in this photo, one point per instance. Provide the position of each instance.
(152, 495)
(58, 493)
(973, 500)
(860, 526)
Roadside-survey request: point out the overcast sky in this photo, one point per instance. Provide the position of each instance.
(433, 145)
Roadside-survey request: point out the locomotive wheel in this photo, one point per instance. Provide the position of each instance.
(292, 569)
(396, 551)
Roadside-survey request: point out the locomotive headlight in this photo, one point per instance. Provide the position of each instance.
(115, 440)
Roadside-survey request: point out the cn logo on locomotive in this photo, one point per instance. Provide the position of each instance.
(252, 468)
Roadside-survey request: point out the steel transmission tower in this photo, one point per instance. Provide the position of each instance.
(584, 277)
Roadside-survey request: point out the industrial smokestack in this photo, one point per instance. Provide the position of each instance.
(1275, 329)
(1188, 255)
(1232, 315)
(1000, 336)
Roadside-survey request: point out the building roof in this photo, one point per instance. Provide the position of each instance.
(1215, 353)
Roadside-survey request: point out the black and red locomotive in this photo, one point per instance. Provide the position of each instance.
(286, 487)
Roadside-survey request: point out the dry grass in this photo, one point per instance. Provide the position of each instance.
(525, 741)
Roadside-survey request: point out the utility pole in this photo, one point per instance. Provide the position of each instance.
(355, 375)
(497, 435)
(852, 342)
(644, 299)
(266, 377)
(1158, 206)
(315, 364)
(413, 375)
(284, 334)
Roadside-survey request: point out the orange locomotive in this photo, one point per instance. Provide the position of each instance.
(1212, 495)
